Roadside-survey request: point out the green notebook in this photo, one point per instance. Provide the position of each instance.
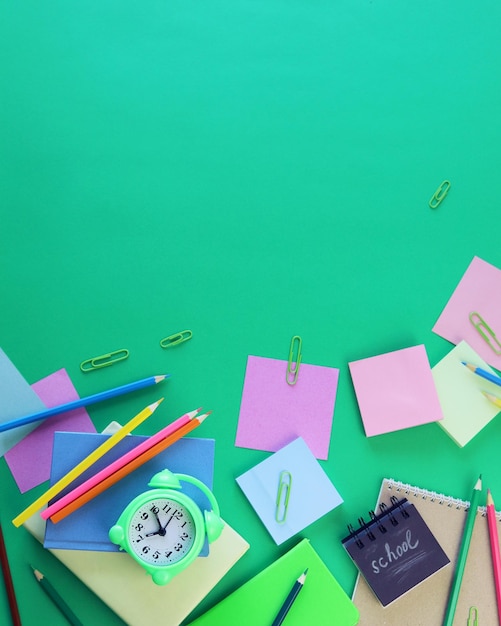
(321, 601)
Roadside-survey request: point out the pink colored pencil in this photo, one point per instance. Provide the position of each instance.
(496, 557)
(118, 464)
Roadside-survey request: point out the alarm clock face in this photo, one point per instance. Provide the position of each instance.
(161, 532)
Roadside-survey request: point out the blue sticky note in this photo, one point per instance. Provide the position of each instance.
(87, 527)
(311, 494)
(17, 400)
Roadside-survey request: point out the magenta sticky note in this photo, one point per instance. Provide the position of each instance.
(477, 292)
(274, 413)
(30, 459)
(395, 390)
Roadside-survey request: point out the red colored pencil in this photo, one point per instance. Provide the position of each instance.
(9, 585)
(496, 556)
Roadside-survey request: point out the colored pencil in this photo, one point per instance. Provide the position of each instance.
(494, 399)
(127, 469)
(116, 465)
(9, 585)
(55, 596)
(85, 464)
(463, 554)
(77, 404)
(290, 599)
(483, 373)
(495, 554)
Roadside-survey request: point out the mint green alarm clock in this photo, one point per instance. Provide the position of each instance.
(163, 529)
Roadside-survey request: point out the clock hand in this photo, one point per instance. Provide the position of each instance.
(158, 519)
(160, 531)
(168, 522)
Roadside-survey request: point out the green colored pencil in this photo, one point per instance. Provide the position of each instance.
(56, 598)
(463, 554)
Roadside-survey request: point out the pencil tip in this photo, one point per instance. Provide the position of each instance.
(38, 575)
(158, 379)
(155, 405)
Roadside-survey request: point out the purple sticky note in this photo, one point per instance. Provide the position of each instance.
(395, 390)
(273, 413)
(30, 459)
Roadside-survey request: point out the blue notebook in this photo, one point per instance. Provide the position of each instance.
(87, 528)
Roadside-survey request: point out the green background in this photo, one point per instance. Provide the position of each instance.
(250, 171)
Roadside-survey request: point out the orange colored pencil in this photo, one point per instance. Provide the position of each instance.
(127, 469)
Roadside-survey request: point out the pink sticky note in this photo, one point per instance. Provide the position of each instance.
(395, 390)
(273, 413)
(30, 459)
(477, 292)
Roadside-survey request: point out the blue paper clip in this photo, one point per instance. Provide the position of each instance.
(294, 363)
(104, 360)
(283, 495)
(176, 338)
(485, 332)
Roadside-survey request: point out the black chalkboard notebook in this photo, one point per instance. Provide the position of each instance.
(394, 549)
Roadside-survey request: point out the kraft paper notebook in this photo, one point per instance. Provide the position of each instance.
(322, 600)
(123, 585)
(425, 604)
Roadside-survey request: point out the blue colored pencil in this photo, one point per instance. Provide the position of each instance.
(484, 373)
(76, 404)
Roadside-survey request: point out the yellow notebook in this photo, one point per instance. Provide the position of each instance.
(425, 604)
(118, 580)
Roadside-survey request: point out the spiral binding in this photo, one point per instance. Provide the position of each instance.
(405, 492)
(366, 529)
(433, 496)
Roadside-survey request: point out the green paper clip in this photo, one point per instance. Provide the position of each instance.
(294, 363)
(176, 338)
(472, 616)
(439, 194)
(104, 360)
(488, 336)
(283, 495)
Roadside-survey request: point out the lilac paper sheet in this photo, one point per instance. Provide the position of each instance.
(273, 413)
(30, 459)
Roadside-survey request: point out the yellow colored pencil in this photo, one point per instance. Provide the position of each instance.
(85, 463)
(494, 399)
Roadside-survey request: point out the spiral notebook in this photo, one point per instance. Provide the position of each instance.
(394, 550)
(425, 604)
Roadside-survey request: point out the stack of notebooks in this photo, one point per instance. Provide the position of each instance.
(118, 580)
(81, 541)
